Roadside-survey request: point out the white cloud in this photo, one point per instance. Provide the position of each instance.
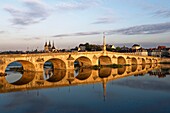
(104, 20)
(162, 13)
(77, 5)
(135, 30)
(35, 12)
(1, 32)
(144, 29)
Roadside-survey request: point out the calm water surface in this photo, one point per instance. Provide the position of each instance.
(140, 93)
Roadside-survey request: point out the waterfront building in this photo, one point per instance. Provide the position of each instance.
(142, 52)
(160, 51)
(82, 47)
(136, 47)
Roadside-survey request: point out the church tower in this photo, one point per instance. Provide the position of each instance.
(46, 47)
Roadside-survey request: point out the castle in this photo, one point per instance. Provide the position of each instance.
(49, 48)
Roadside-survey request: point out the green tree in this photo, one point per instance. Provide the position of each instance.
(118, 48)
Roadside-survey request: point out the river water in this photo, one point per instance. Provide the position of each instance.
(129, 89)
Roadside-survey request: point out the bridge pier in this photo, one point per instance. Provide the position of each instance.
(114, 71)
(70, 64)
(114, 60)
(2, 69)
(128, 69)
(128, 61)
(70, 75)
(39, 67)
(139, 61)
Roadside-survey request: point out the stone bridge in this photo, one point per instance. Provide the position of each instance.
(35, 62)
(60, 78)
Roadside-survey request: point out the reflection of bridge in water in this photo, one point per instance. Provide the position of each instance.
(61, 78)
(160, 73)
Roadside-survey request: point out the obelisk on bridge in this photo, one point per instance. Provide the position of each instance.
(104, 42)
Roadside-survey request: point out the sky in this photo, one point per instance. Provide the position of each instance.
(28, 24)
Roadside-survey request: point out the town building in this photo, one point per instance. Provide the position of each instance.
(136, 47)
(82, 47)
(160, 51)
(142, 52)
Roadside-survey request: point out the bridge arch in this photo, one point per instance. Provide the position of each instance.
(149, 61)
(143, 61)
(121, 60)
(83, 61)
(134, 61)
(57, 63)
(104, 60)
(25, 65)
(154, 61)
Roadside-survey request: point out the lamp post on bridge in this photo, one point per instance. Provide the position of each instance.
(104, 43)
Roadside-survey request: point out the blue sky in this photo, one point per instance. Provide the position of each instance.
(27, 24)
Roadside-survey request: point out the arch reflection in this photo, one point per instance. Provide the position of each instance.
(121, 70)
(60, 78)
(27, 76)
(55, 75)
(105, 72)
(134, 68)
(84, 73)
(143, 66)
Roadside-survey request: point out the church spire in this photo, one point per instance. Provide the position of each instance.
(53, 46)
(45, 44)
(49, 45)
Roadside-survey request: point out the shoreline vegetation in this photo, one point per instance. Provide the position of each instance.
(97, 67)
(164, 62)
